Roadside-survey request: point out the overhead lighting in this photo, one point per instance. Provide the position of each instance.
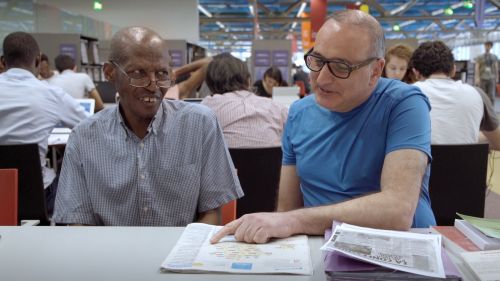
(468, 4)
(405, 23)
(250, 7)
(204, 11)
(97, 6)
(448, 11)
(294, 24)
(301, 9)
(396, 27)
(220, 24)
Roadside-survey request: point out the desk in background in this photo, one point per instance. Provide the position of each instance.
(107, 253)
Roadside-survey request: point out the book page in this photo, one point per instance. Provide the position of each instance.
(404, 251)
(194, 253)
(484, 264)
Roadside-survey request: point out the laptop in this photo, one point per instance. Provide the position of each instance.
(286, 95)
(87, 104)
(193, 100)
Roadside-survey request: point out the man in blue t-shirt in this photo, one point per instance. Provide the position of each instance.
(357, 151)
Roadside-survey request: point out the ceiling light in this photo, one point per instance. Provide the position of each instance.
(250, 7)
(468, 4)
(301, 9)
(396, 27)
(220, 24)
(448, 11)
(97, 6)
(294, 24)
(204, 11)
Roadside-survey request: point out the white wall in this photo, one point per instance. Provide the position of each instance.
(172, 19)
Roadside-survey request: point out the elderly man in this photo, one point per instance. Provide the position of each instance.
(148, 161)
(29, 108)
(357, 151)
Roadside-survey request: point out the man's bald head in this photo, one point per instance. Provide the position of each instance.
(134, 40)
(366, 21)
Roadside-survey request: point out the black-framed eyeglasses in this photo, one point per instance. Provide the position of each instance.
(140, 79)
(338, 68)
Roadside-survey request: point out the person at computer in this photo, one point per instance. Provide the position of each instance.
(148, 161)
(247, 120)
(78, 85)
(271, 78)
(357, 151)
(459, 111)
(46, 73)
(30, 108)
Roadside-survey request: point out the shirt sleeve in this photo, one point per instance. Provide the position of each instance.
(89, 85)
(219, 182)
(286, 145)
(410, 125)
(73, 204)
(70, 111)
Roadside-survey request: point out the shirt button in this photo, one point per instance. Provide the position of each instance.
(141, 145)
(143, 176)
(145, 209)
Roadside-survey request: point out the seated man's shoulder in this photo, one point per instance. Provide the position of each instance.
(187, 109)
(398, 90)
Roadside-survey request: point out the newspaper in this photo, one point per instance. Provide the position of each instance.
(404, 251)
(193, 253)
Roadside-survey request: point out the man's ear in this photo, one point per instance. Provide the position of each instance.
(377, 70)
(38, 59)
(109, 71)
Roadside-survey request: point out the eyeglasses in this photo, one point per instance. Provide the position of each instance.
(338, 68)
(140, 79)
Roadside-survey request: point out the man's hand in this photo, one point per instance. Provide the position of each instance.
(258, 227)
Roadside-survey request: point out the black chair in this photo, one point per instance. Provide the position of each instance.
(458, 181)
(259, 175)
(107, 91)
(25, 158)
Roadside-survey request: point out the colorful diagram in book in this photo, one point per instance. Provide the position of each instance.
(238, 251)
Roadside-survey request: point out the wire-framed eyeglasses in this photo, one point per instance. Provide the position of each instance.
(338, 68)
(140, 79)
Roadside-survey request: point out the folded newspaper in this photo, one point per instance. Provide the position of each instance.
(404, 251)
(193, 253)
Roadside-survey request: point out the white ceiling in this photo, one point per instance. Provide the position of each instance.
(173, 19)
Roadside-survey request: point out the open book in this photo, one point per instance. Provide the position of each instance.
(193, 253)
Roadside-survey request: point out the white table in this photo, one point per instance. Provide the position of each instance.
(107, 253)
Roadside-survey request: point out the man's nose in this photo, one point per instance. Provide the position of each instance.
(324, 75)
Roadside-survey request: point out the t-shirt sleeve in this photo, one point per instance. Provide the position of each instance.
(410, 125)
(89, 85)
(286, 144)
(73, 204)
(219, 182)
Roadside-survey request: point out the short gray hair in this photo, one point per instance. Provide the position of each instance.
(364, 20)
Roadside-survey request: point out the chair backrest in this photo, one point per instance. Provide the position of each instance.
(458, 181)
(259, 175)
(26, 159)
(8, 197)
(228, 212)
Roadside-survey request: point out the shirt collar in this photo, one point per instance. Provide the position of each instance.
(19, 73)
(153, 126)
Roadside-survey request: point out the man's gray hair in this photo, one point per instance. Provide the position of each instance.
(364, 20)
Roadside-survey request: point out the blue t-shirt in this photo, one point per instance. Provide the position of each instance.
(339, 156)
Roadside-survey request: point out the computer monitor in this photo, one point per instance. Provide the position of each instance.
(88, 105)
(286, 95)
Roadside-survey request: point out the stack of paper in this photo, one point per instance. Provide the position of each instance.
(485, 233)
(484, 264)
(194, 253)
(366, 253)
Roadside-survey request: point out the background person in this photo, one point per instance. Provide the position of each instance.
(271, 78)
(396, 63)
(486, 71)
(79, 85)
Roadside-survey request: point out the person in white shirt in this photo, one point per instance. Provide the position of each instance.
(78, 85)
(458, 111)
(30, 108)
